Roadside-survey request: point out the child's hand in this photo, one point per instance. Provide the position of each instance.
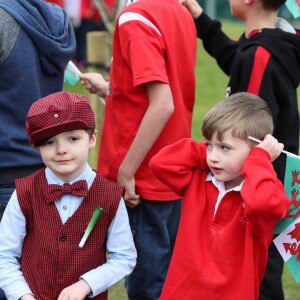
(130, 197)
(76, 291)
(27, 297)
(193, 6)
(94, 83)
(271, 145)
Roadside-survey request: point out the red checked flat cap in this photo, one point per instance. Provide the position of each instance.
(57, 113)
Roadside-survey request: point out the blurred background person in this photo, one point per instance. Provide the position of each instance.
(36, 43)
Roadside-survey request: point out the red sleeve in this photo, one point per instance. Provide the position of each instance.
(266, 200)
(174, 165)
(216, 42)
(143, 50)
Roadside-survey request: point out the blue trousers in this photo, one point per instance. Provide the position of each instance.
(5, 193)
(154, 227)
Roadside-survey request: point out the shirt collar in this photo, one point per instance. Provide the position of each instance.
(88, 174)
(220, 185)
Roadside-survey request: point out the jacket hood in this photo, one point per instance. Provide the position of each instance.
(284, 47)
(49, 28)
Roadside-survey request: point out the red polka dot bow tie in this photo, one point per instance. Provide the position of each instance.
(56, 191)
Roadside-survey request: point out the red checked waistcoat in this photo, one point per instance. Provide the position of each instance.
(51, 259)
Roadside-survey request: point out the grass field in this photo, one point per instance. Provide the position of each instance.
(211, 87)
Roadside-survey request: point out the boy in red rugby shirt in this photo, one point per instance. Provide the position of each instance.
(232, 202)
(265, 61)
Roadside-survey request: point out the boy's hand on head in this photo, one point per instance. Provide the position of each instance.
(94, 83)
(76, 291)
(272, 146)
(193, 6)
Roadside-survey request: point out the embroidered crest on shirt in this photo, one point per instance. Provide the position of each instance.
(243, 219)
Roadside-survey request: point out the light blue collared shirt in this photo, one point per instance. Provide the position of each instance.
(120, 246)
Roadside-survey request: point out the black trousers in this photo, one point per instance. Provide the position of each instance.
(271, 286)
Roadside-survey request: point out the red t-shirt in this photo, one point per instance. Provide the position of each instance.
(153, 41)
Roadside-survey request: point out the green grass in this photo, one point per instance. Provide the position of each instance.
(210, 88)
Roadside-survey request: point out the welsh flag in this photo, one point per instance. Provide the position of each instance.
(294, 7)
(288, 240)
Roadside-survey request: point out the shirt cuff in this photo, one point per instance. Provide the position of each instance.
(98, 285)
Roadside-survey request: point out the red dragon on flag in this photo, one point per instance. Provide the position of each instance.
(288, 229)
(294, 211)
(294, 248)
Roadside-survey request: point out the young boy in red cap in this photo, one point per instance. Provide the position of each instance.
(42, 253)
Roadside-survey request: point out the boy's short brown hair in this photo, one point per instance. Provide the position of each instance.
(243, 113)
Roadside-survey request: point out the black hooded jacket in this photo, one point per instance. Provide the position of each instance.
(267, 63)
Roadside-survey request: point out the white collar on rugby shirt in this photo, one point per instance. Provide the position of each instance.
(221, 188)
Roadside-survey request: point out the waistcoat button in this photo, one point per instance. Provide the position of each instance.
(62, 238)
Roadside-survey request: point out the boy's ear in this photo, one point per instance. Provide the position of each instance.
(93, 139)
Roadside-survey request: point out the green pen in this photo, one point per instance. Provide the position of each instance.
(94, 219)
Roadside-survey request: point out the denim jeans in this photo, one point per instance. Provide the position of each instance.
(154, 227)
(5, 193)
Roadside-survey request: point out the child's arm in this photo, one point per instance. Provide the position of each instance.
(215, 41)
(266, 200)
(122, 259)
(159, 111)
(95, 83)
(12, 233)
(174, 164)
(193, 6)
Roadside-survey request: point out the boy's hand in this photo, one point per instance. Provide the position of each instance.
(27, 297)
(94, 83)
(271, 145)
(76, 291)
(130, 197)
(193, 6)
